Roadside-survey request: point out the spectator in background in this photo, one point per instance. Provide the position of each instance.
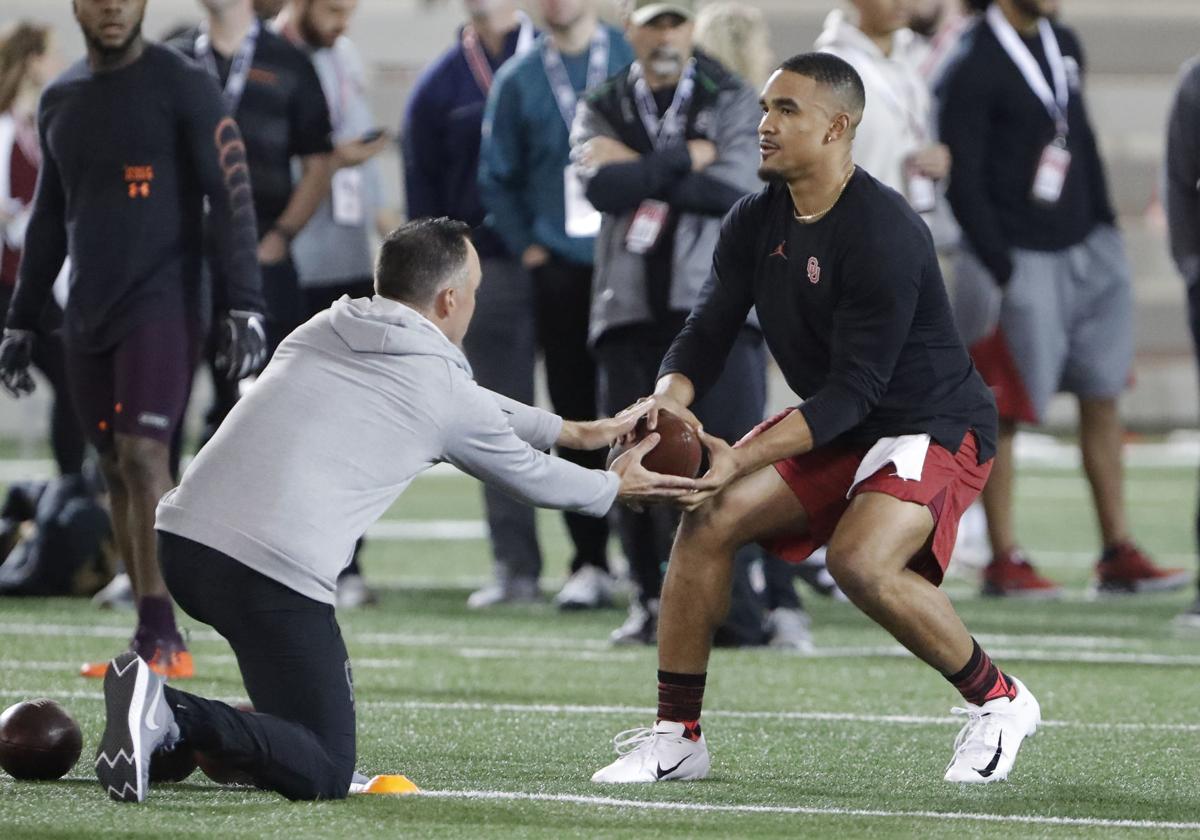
(1043, 289)
(333, 253)
(440, 141)
(28, 61)
(535, 202)
(273, 92)
(667, 146)
(895, 141)
(268, 9)
(1182, 191)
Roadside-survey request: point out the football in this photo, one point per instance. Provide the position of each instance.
(38, 740)
(678, 451)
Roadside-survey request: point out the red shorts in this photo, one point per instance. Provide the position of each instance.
(821, 478)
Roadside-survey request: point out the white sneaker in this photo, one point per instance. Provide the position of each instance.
(640, 626)
(138, 721)
(788, 629)
(986, 748)
(587, 589)
(353, 592)
(514, 591)
(117, 594)
(661, 754)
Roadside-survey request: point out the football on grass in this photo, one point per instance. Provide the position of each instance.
(678, 451)
(38, 740)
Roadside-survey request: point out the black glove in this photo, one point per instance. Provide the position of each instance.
(16, 354)
(242, 344)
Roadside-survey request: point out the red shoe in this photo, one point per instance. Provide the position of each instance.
(1010, 575)
(1123, 570)
(170, 659)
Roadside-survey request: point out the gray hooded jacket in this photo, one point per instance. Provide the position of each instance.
(354, 405)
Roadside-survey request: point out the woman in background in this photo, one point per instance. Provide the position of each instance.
(28, 62)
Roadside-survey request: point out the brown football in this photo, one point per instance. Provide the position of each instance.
(38, 740)
(678, 451)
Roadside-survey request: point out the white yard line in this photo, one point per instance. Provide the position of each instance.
(644, 712)
(815, 811)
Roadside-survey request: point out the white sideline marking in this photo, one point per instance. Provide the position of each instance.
(612, 802)
(643, 712)
(1005, 646)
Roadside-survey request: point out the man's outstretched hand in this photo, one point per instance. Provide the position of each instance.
(640, 486)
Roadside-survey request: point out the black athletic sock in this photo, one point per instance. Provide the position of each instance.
(680, 697)
(980, 680)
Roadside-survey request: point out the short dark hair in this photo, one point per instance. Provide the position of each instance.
(835, 73)
(420, 257)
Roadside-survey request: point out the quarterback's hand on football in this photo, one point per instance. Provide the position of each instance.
(242, 345)
(16, 354)
(724, 467)
(641, 486)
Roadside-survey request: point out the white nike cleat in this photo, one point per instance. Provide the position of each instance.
(138, 721)
(986, 748)
(661, 754)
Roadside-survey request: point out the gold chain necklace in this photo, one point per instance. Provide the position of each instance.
(812, 217)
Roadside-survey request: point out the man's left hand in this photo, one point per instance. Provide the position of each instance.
(724, 467)
(272, 248)
(601, 151)
(596, 434)
(242, 346)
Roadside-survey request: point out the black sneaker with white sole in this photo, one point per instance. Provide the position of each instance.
(138, 721)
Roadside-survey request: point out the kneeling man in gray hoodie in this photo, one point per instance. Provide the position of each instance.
(354, 405)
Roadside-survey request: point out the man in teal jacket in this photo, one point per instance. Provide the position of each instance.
(535, 202)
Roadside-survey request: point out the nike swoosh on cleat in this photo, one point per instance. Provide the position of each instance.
(987, 771)
(151, 724)
(670, 770)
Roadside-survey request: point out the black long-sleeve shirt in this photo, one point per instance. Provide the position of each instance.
(855, 312)
(997, 128)
(128, 157)
(1182, 188)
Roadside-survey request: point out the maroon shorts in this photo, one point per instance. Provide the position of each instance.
(140, 387)
(821, 479)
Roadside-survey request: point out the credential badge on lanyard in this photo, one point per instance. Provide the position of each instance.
(651, 217)
(239, 68)
(582, 219)
(1055, 160)
(477, 59)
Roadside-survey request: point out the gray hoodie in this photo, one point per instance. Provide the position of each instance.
(354, 405)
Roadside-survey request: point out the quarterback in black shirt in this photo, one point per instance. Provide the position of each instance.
(134, 139)
(893, 441)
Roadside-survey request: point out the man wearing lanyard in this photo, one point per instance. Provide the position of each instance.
(1182, 194)
(893, 142)
(440, 140)
(273, 92)
(535, 202)
(1043, 288)
(667, 146)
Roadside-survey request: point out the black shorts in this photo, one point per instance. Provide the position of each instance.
(140, 387)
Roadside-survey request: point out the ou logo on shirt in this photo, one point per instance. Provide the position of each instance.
(814, 271)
